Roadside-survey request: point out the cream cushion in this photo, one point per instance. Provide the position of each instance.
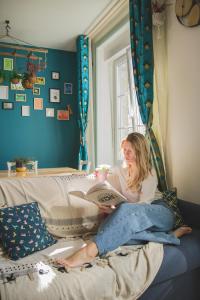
(64, 215)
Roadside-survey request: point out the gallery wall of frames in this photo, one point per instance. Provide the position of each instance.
(38, 107)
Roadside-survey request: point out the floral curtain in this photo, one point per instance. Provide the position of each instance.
(83, 92)
(143, 67)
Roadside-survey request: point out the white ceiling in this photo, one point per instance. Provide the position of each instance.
(50, 23)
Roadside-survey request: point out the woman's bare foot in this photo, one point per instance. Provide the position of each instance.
(82, 256)
(182, 231)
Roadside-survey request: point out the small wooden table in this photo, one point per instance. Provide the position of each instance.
(40, 172)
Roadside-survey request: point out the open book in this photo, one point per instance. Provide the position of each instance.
(101, 193)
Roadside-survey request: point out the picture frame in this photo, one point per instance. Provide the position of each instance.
(49, 112)
(38, 104)
(17, 86)
(7, 105)
(55, 75)
(67, 88)
(40, 80)
(4, 92)
(25, 111)
(36, 91)
(20, 97)
(54, 95)
(62, 115)
(8, 64)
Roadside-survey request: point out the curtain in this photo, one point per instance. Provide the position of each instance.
(90, 127)
(83, 92)
(143, 67)
(160, 106)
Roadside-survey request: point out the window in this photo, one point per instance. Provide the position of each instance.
(126, 111)
(116, 109)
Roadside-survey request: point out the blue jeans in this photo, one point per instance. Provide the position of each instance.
(134, 224)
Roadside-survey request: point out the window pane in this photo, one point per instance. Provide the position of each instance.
(127, 116)
(124, 123)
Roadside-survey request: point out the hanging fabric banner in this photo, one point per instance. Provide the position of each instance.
(83, 92)
(143, 66)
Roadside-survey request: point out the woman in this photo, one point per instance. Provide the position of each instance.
(140, 220)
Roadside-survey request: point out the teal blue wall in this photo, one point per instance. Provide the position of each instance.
(53, 143)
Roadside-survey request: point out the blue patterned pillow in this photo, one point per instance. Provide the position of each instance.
(23, 231)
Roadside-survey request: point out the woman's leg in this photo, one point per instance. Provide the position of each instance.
(154, 236)
(135, 222)
(150, 236)
(128, 222)
(82, 256)
(179, 232)
(88, 253)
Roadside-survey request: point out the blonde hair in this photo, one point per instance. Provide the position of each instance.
(143, 161)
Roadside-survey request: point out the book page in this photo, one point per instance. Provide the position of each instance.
(101, 193)
(105, 197)
(99, 186)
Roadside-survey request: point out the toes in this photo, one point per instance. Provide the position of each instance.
(60, 261)
(186, 229)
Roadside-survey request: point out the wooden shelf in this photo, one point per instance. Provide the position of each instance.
(41, 172)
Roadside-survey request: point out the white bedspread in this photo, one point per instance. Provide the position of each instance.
(116, 278)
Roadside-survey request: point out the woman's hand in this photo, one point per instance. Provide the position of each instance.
(108, 209)
(131, 163)
(132, 168)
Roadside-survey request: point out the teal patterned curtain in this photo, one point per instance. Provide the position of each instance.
(143, 66)
(83, 92)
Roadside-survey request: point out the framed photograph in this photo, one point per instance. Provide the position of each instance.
(62, 115)
(17, 86)
(7, 105)
(55, 75)
(38, 103)
(67, 88)
(3, 92)
(54, 95)
(25, 111)
(40, 80)
(50, 112)
(8, 64)
(20, 97)
(36, 91)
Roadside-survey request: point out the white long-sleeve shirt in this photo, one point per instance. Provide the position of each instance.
(148, 193)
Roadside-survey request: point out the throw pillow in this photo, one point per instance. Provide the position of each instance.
(171, 197)
(23, 231)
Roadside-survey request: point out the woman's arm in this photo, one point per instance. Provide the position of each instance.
(113, 179)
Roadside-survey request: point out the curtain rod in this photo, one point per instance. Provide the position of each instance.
(32, 57)
(40, 50)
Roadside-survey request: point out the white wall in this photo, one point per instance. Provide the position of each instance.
(183, 135)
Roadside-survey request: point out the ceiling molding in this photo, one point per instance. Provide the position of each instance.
(111, 12)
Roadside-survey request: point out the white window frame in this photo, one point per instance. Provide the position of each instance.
(133, 108)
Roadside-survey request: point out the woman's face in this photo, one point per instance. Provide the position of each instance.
(129, 152)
